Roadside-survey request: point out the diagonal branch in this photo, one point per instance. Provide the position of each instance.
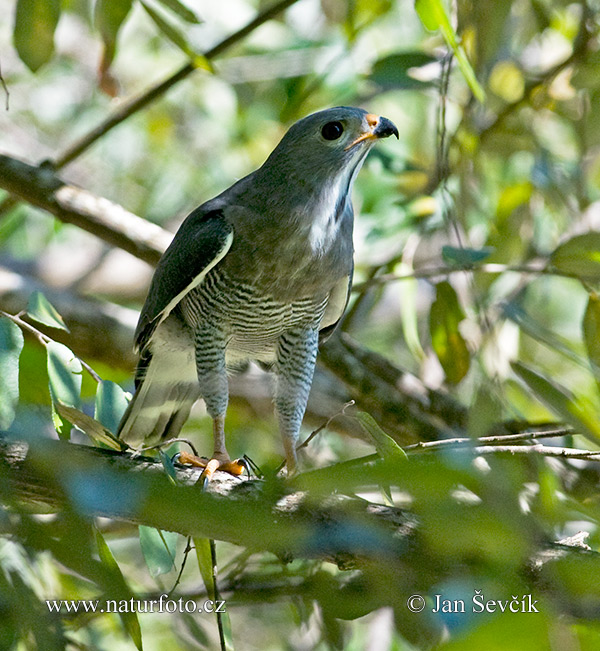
(97, 215)
(135, 104)
(52, 475)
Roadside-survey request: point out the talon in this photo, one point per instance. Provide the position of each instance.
(209, 471)
(235, 467)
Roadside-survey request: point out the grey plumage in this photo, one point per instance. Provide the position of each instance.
(255, 273)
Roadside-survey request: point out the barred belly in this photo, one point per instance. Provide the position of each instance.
(251, 320)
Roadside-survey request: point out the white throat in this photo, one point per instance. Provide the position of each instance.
(327, 222)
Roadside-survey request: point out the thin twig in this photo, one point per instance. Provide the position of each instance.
(488, 268)
(325, 425)
(543, 450)
(319, 429)
(217, 595)
(130, 107)
(186, 552)
(5, 88)
(488, 440)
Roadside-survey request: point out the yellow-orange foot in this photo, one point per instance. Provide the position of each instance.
(235, 467)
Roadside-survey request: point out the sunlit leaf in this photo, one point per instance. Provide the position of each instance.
(64, 374)
(512, 197)
(169, 30)
(433, 16)
(41, 310)
(573, 409)
(109, 16)
(514, 311)
(181, 10)
(507, 81)
(463, 257)
(88, 425)
(591, 333)
(205, 564)
(446, 339)
(408, 300)
(485, 412)
(393, 71)
(129, 619)
(579, 256)
(205, 550)
(158, 548)
(111, 403)
(11, 344)
(385, 445)
(35, 22)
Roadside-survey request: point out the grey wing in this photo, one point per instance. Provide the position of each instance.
(340, 294)
(336, 305)
(201, 242)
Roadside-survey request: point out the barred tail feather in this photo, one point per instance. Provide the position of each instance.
(167, 387)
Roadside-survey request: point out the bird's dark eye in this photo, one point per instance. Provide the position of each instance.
(332, 130)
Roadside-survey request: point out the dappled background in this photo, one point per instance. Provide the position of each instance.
(474, 312)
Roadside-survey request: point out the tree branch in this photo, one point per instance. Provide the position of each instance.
(397, 400)
(56, 475)
(98, 330)
(273, 516)
(101, 217)
(134, 105)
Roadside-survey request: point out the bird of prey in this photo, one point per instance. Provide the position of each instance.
(261, 272)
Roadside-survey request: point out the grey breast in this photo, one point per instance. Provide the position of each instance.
(251, 319)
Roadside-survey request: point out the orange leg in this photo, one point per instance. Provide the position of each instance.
(220, 458)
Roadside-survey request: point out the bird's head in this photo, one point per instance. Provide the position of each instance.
(329, 144)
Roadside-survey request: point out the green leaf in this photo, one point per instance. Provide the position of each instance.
(205, 565)
(109, 15)
(447, 342)
(95, 430)
(129, 619)
(64, 374)
(41, 310)
(33, 36)
(579, 256)
(461, 257)
(168, 465)
(170, 31)
(393, 71)
(536, 330)
(408, 290)
(385, 445)
(205, 553)
(574, 410)
(11, 345)
(158, 548)
(111, 403)
(591, 334)
(182, 11)
(433, 16)
(485, 412)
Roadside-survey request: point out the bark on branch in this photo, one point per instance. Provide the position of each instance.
(107, 220)
(54, 475)
(51, 475)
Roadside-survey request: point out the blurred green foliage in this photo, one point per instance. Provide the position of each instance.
(477, 271)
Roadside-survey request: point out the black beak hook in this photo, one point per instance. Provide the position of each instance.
(385, 128)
